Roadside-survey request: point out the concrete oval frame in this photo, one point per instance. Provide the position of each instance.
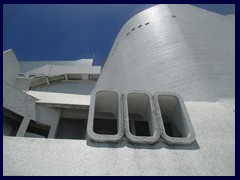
(90, 124)
(190, 137)
(156, 132)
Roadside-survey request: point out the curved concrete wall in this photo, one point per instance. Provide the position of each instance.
(176, 48)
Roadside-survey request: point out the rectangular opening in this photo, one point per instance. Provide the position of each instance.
(11, 122)
(142, 128)
(106, 113)
(37, 130)
(173, 120)
(105, 126)
(72, 128)
(139, 114)
(74, 76)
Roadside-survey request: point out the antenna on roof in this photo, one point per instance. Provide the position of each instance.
(94, 54)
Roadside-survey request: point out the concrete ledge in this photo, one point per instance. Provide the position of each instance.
(173, 118)
(60, 99)
(105, 107)
(138, 107)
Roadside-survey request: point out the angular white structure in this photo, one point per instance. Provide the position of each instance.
(72, 118)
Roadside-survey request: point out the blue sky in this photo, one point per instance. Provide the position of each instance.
(70, 32)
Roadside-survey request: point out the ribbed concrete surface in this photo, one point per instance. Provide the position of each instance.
(183, 49)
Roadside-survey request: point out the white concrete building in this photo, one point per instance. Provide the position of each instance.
(162, 104)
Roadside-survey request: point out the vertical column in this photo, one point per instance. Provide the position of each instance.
(23, 127)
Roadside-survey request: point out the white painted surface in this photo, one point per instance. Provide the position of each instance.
(30, 65)
(60, 98)
(11, 67)
(54, 70)
(214, 124)
(192, 54)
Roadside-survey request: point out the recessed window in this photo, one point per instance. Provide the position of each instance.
(139, 114)
(147, 23)
(142, 128)
(174, 123)
(106, 113)
(133, 29)
(72, 128)
(170, 128)
(127, 33)
(37, 130)
(174, 16)
(139, 26)
(105, 126)
(32, 76)
(11, 122)
(74, 76)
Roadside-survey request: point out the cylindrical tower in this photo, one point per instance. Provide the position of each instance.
(174, 48)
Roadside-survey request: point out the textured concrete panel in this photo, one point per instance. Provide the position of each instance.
(213, 154)
(11, 67)
(18, 101)
(183, 49)
(60, 98)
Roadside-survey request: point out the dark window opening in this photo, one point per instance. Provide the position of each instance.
(173, 119)
(139, 114)
(139, 26)
(11, 122)
(142, 128)
(170, 128)
(37, 130)
(105, 126)
(147, 23)
(74, 76)
(71, 128)
(127, 33)
(138, 127)
(106, 113)
(133, 29)
(174, 16)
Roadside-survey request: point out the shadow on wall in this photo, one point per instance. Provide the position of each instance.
(160, 145)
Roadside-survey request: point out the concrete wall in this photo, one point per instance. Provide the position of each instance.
(183, 49)
(11, 67)
(178, 48)
(213, 154)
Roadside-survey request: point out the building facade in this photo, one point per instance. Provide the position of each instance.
(162, 104)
